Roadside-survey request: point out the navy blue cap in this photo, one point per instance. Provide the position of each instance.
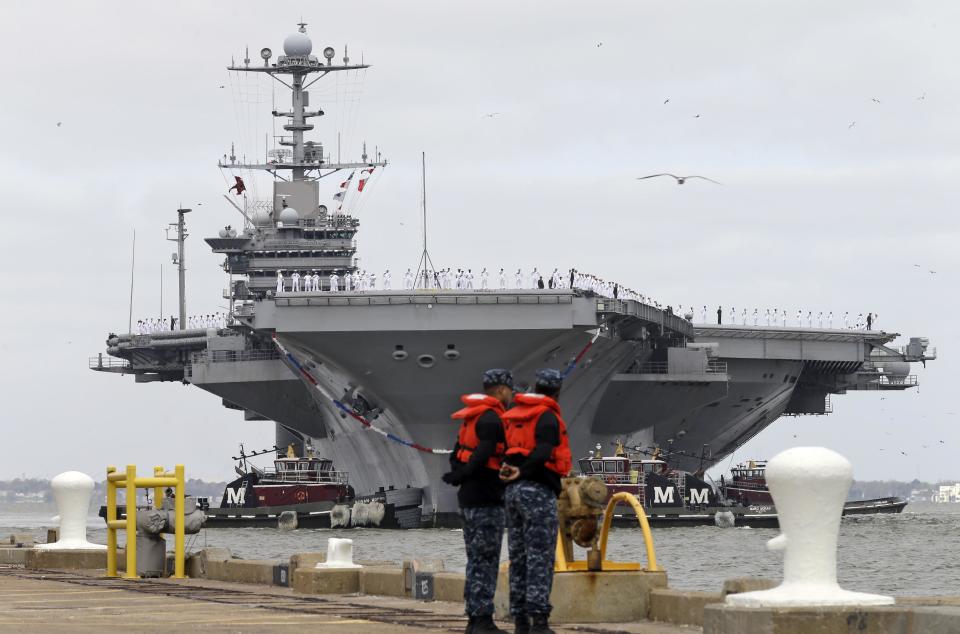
(498, 376)
(549, 378)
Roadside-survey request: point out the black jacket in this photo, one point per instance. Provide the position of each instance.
(480, 485)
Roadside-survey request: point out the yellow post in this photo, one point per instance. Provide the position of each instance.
(178, 555)
(644, 525)
(131, 483)
(111, 532)
(157, 491)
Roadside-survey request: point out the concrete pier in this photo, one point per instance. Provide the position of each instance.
(68, 592)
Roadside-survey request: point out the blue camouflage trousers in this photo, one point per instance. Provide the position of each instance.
(532, 541)
(483, 537)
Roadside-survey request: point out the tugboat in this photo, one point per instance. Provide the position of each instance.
(748, 487)
(309, 486)
(678, 498)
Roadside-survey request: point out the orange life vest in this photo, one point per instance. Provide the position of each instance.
(520, 426)
(467, 439)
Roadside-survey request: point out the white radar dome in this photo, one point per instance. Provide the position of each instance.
(289, 216)
(297, 44)
(260, 217)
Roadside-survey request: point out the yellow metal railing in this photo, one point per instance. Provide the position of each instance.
(563, 564)
(130, 483)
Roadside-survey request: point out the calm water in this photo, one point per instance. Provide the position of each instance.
(914, 553)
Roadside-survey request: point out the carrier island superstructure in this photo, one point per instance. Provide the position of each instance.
(399, 359)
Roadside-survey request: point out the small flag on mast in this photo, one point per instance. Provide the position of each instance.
(364, 175)
(240, 187)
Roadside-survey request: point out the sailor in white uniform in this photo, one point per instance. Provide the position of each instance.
(334, 282)
(799, 317)
(468, 277)
(820, 319)
(846, 319)
(534, 276)
(743, 317)
(784, 317)
(484, 279)
(279, 282)
(315, 278)
(296, 282)
(373, 281)
(755, 316)
(830, 320)
(387, 277)
(810, 319)
(502, 278)
(733, 316)
(408, 280)
(518, 278)
(348, 281)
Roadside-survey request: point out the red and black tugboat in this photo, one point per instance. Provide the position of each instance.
(669, 496)
(310, 487)
(679, 498)
(748, 487)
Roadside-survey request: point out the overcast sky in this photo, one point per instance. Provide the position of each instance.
(815, 212)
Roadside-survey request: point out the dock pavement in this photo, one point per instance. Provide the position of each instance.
(82, 601)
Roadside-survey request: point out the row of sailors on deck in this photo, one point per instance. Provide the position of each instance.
(777, 317)
(149, 326)
(460, 280)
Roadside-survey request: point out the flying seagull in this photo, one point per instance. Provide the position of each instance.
(922, 97)
(490, 115)
(599, 44)
(851, 125)
(667, 100)
(680, 179)
(59, 123)
(875, 100)
(696, 117)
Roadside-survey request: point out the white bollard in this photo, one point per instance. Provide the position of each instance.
(339, 554)
(809, 486)
(72, 491)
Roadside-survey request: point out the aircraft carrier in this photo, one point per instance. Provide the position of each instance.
(369, 377)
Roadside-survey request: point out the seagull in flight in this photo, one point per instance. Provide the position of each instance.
(599, 44)
(59, 123)
(680, 179)
(223, 85)
(933, 272)
(851, 125)
(922, 97)
(875, 100)
(491, 115)
(667, 100)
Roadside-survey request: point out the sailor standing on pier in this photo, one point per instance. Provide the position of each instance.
(387, 277)
(279, 281)
(484, 279)
(334, 282)
(408, 280)
(537, 456)
(519, 279)
(296, 282)
(503, 280)
(475, 468)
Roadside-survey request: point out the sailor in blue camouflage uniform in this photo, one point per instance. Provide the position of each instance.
(537, 457)
(475, 468)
